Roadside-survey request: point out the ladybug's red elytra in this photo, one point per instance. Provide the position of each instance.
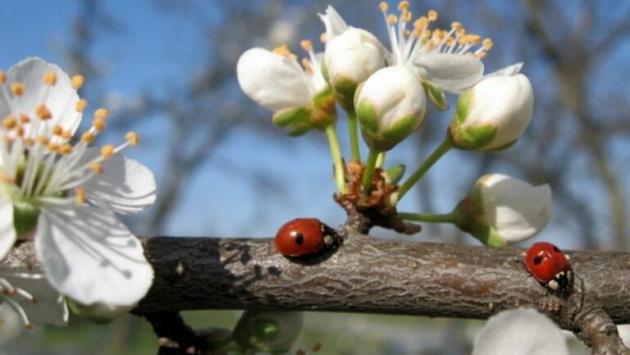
(550, 266)
(303, 236)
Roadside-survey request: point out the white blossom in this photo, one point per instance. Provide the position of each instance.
(65, 195)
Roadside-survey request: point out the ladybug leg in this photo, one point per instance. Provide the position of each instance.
(549, 304)
(553, 284)
(566, 256)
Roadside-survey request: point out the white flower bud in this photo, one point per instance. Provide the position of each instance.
(494, 113)
(520, 332)
(502, 209)
(390, 105)
(351, 56)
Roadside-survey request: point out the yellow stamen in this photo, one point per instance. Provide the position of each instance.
(42, 139)
(474, 39)
(20, 131)
(3, 77)
(306, 45)
(323, 37)
(132, 138)
(97, 168)
(6, 179)
(403, 5)
(77, 81)
(457, 26)
(53, 148)
(107, 151)
(88, 137)
(432, 15)
(57, 130)
(101, 113)
(43, 112)
(50, 78)
(65, 149)
(406, 16)
(9, 122)
(24, 118)
(79, 196)
(284, 51)
(80, 105)
(307, 66)
(383, 6)
(66, 134)
(487, 44)
(392, 19)
(17, 89)
(98, 124)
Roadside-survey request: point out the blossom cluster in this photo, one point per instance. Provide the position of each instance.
(385, 92)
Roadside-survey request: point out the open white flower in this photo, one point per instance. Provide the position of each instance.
(495, 112)
(447, 60)
(65, 196)
(502, 209)
(298, 95)
(520, 332)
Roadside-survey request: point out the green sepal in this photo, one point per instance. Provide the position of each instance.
(295, 122)
(86, 312)
(471, 138)
(344, 89)
(470, 219)
(324, 110)
(395, 173)
(436, 96)
(25, 215)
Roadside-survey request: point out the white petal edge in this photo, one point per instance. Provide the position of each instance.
(520, 332)
(60, 99)
(273, 81)
(125, 186)
(514, 208)
(334, 23)
(90, 256)
(7, 230)
(451, 72)
(509, 70)
(50, 307)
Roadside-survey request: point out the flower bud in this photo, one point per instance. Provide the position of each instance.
(502, 209)
(494, 113)
(351, 56)
(390, 105)
(268, 331)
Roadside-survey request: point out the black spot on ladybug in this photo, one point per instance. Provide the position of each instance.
(538, 259)
(298, 238)
(555, 248)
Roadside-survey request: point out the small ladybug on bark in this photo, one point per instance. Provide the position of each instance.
(550, 266)
(305, 236)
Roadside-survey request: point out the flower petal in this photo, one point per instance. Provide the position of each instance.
(273, 81)
(450, 72)
(520, 332)
(125, 186)
(49, 308)
(7, 230)
(515, 209)
(509, 70)
(60, 99)
(90, 256)
(335, 25)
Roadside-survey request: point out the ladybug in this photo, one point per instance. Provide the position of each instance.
(549, 266)
(304, 236)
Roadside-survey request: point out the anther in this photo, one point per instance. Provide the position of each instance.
(306, 45)
(97, 168)
(9, 122)
(42, 140)
(65, 149)
(457, 26)
(403, 5)
(392, 19)
(132, 138)
(57, 130)
(17, 89)
(87, 137)
(432, 15)
(50, 78)
(77, 81)
(323, 37)
(43, 112)
(383, 6)
(98, 124)
(79, 196)
(53, 147)
(307, 66)
(66, 134)
(101, 113)
(3, 77)
(487, 44)
(284, 51)
(107, 151)
(24, 118)
(80, 105)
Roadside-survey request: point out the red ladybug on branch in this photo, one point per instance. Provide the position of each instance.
(302, 237)
(550, 266)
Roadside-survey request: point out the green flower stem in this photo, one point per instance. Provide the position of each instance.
(428, 217)
(335, 152)
(380, 160)
(353, 129)
(442, 149)
(368, 173)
